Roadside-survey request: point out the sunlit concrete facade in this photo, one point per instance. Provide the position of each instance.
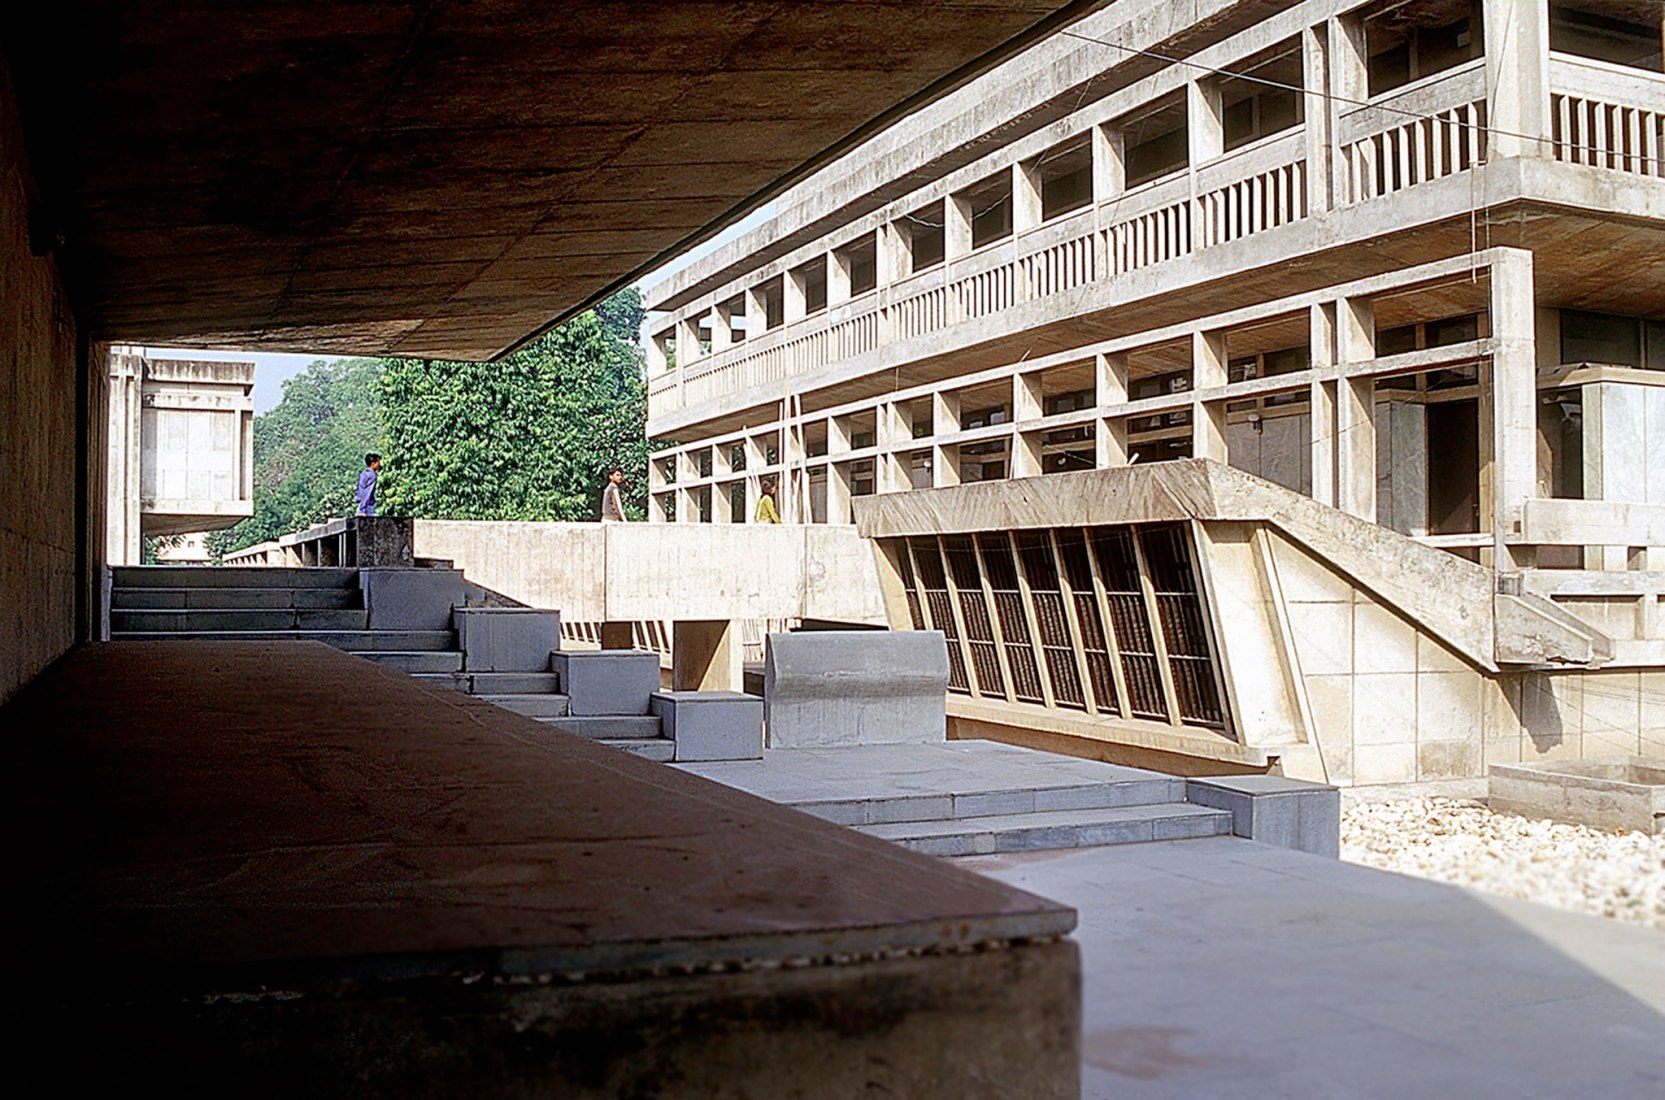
(181, 458)
(1403, 259)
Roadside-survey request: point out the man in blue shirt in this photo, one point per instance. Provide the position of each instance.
(367, 484)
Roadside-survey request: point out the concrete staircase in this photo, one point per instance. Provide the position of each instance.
(961, 798)
(320, 604)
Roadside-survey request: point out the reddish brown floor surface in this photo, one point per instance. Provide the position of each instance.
(194, 810)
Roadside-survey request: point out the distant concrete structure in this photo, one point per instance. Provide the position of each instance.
(1400, 260)
(181, 448)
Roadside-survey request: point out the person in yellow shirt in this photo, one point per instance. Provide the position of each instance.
(766, 505)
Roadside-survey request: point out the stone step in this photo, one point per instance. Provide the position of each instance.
(425, 664)
(1140, 789)
(351, 640)
(499, 683)
(232, 576)
(607, 727)
(1030, 832)
(244, 618)
(159, 599)
(542, 705)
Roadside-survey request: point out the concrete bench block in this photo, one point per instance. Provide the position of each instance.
(411, 599)
(507, 639)
(711, 725)
(1273, 810)
(608, 681)
(855, 687)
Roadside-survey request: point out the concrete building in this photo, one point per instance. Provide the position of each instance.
(181, 456)
(1404, 260)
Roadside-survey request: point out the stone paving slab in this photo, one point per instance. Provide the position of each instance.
(847, 777)
(1227, 968)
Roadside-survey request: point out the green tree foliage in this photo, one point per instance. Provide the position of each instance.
(530, 437)
(308, 451)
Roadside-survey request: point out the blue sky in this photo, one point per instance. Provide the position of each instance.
(272, 368)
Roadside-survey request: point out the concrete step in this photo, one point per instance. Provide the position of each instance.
(653, 748)
(425, 664)
(157, 599)
(1030, 832)
(1139, 789)
(242, 618)
(544, 705)
(500, 683)
(232, 576)
(350, 640)
(607, 727)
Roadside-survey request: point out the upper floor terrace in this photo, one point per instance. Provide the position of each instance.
(1249, 168)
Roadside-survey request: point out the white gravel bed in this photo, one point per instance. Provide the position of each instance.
(1459, 840)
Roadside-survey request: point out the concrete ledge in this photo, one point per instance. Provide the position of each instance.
(858, 687)
(608, 681)
(711, 725)
(411, 599)
(507, 639)
(1288, 813)
(1623, 793)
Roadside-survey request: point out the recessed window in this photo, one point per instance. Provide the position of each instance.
(1065, 174)
(1266, 99)
(925, 237)
(988, 203)
(773, 294)
(1416, 38)
(812, 277)
(860, 259)
(1624, 32)
(1156, 142)
(1612, 340)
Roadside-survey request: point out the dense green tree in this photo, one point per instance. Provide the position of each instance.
(309, 449)
(529, 437)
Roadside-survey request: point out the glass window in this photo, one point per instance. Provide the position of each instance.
(1600, 338)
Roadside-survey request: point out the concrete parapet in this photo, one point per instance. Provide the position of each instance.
(1626, 793)
(711, 725)
(1288, 813)
(411, 599)
(383, 541)
(859, 687)
(608, 681)
(507, 639)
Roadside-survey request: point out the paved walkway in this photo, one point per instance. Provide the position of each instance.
(1226, 968)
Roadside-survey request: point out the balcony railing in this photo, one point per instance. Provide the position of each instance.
(1603, 115)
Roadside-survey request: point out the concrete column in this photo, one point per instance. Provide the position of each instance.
(1026, 409)
(1517, 77)
(1509, 405)
(1315, 79)
(1110, 388)
(686, 470)
(1355, 436)
(688, 340)
(1349, 84)
(706, 655)
(721, 324)
(1109, 163)
(1208, 418)
(838, 492)
(956, 239)
(1026, 397)
(893, 429)
(838, 278)
(656, 507)
(1026, 196)
(757, 314)
(656, 360)
(1202, 112)
(1321, 426)
(619, 635)
(795, 307)
(945, 420)
(893, 262)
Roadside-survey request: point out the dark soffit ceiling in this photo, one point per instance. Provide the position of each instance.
(441, 179)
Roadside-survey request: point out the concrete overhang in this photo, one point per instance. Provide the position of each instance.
(448, 178)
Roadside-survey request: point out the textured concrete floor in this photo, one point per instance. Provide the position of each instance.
(1226, 968)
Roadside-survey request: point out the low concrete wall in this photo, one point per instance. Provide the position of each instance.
(854, 688)
(628, 572)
